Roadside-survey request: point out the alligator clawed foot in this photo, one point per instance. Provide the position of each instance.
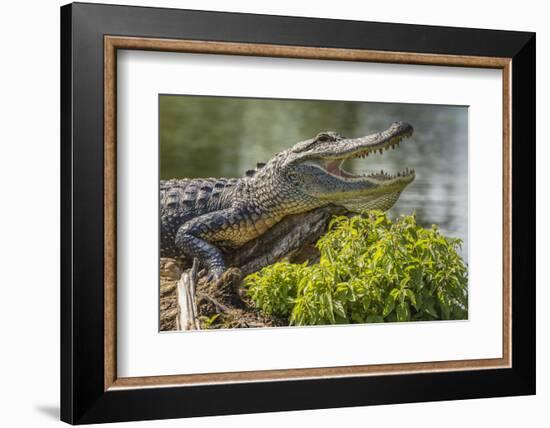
(210, 275)
(214, 274)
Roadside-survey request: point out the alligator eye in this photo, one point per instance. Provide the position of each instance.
(293, 177)
(324, 137)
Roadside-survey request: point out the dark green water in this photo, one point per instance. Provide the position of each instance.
(214, 136)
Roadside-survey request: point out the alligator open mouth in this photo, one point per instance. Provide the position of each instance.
(363, 148)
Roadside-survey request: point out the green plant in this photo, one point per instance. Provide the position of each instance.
(208, 322)
(371, 269)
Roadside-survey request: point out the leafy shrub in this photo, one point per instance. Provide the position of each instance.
(370, 270)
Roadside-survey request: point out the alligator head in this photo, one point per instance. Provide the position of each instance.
(313, 168)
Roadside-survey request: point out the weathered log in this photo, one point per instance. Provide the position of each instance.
(292, 238)
(186, 297)
(187, 301)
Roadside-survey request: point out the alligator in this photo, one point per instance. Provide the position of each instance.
(201, 218)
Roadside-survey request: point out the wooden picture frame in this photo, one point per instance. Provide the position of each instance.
(91, 390)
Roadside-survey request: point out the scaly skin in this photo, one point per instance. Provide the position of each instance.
(200, 216)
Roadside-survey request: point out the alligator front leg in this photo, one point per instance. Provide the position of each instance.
(197, 237)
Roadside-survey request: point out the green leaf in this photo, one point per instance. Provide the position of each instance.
(394, 293)
(429, 309)
(358, 318)
(403, 312)
(339, 309)
(374, 318)
(389, 305)
(419, 302)
(445, 310)
(412, 297)
(327, 299)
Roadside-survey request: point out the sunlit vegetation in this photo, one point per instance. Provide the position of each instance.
(371, 269)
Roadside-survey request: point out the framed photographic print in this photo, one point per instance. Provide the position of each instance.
(265, 213)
